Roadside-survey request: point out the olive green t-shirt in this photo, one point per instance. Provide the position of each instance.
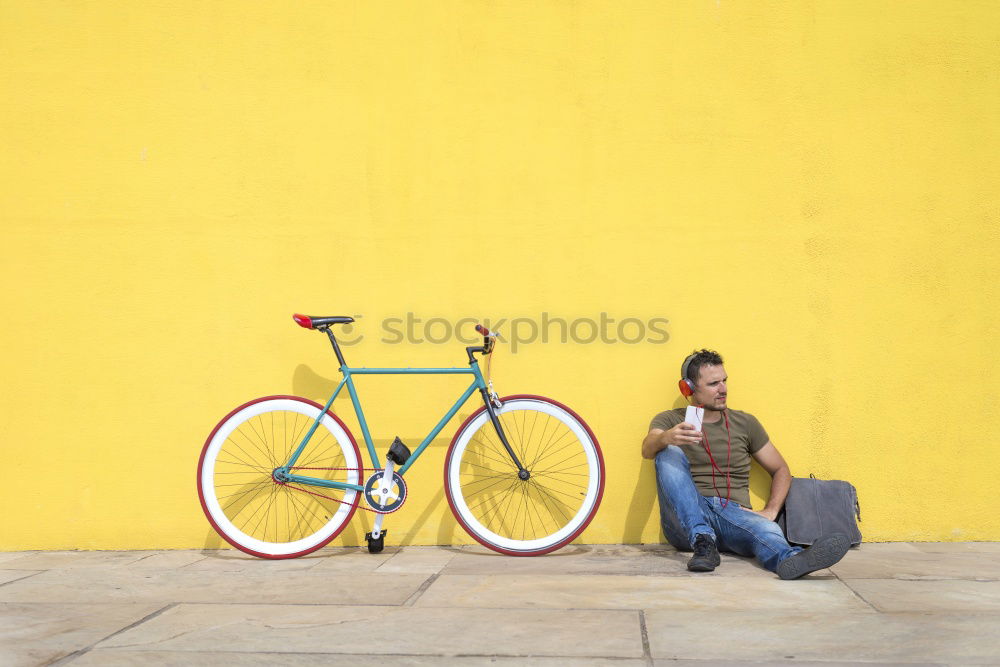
(747, 437)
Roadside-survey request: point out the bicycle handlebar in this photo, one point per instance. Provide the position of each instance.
(489, 339)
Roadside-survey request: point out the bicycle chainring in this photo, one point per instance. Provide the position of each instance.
(382, 500)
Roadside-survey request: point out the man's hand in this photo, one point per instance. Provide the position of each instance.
(682, 434)
(658, 439)
(770, 459)
(770, 515)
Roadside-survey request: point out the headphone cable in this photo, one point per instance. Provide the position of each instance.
(729, 452)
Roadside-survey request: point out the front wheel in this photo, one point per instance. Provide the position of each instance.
(246, 500)
(533, 516)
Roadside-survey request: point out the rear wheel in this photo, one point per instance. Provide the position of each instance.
(533, 516)
(244, 499)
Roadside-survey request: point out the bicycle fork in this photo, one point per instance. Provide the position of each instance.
(488, 399)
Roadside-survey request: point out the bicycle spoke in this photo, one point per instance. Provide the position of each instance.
(504, 461)
(551, 442)
(314, 450)
(251, 443)
(495, 445)
(542, 512)
(300, 502)
(487, 495)
(259, 434)
(496, 474)
(551, 503)
(558, 446)
(248, 461)
(504, 504)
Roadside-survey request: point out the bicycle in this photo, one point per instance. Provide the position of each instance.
(281, 476)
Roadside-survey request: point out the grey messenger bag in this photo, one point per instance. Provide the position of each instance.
(816, 507)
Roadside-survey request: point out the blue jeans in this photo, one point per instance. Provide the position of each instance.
(685, 513)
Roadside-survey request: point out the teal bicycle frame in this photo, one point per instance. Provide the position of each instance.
(478, 383)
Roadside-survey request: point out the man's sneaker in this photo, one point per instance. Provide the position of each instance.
(826, 551)
(706, 555)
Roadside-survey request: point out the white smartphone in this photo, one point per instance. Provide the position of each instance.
(694, 415)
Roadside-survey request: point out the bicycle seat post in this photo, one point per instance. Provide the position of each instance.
(336, 347)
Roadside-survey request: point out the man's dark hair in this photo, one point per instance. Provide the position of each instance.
(701, 358)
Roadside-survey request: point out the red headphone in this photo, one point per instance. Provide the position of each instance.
(685, 384)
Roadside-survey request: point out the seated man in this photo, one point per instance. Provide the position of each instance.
(703, 480)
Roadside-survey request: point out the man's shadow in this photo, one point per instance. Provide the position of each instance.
(644, 504)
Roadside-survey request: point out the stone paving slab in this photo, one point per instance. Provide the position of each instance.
(122, 657)
(638, 592)
(183, 585)
(885, 564)
(892, 595)
(50, 560)
(416, 560)
(783, 663)
(37, 634)
(236, 561)
(892, 603)
(352, 559)
(167, 560)
(386, 631)
(11, 555)
(658, 560)
(14, 575)
(957, 547)
(819, 635)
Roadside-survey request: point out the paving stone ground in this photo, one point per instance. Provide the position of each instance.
(621, 605)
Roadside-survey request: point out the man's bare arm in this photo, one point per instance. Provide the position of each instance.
(657, 439)
(771, 460)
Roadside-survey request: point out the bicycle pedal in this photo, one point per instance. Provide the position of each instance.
(398, 452)
(375, 544)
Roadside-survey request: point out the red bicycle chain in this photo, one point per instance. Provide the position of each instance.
(342, 502)
(310, 468)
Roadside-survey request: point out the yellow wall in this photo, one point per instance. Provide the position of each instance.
(810, 188)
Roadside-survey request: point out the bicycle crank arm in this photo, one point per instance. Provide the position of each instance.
(386, 484)
(377, 528)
